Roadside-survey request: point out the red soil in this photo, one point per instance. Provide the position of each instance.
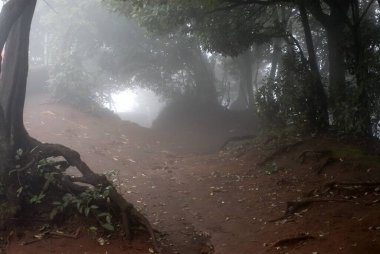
(201, 200)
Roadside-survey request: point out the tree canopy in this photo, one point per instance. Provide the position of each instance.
(329, 39)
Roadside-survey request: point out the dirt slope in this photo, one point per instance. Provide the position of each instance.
(220, 199)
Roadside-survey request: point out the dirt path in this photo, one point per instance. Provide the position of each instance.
(213, 199)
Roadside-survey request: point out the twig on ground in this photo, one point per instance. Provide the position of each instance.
(293, 240)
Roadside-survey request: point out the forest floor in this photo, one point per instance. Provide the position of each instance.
(205, 199)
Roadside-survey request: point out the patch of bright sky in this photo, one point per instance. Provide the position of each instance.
(125, 101)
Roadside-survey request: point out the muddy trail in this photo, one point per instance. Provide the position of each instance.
(266, 195)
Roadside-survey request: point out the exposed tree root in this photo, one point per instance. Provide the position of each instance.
(47, 234)
(326, 162)
(359, 187)
(279, 151)
(293, 207)
(322, 155)
(334, 185)
(316, 155)
(130, 216)
(236, 139)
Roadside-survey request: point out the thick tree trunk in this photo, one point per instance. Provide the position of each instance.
(363, 114)
(204, 79)
(335, 27)
(202, 71)
(337, 77)
(318, 115)
(13, 80)
(241, 102)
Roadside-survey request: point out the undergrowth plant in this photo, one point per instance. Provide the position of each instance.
(39, 183)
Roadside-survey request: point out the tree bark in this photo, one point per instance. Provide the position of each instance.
(275, 59)
(15, 22)
(335, 27)
(319, 114)
(257, 59)
(337, 77)
(363, 114)
(204, 78)
(10, 12)
(246, 77)
(203, 73)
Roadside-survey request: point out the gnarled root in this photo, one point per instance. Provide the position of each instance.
(129, 215)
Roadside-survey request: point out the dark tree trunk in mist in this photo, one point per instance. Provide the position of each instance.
(246, 77)
(363, 114)
(337, 77)
(204, 80)
(248, 63)
(258, 57)
(335, 27)
(318, 115)
(241, 102)
(17, 15)
(275, 59)
(203, 72)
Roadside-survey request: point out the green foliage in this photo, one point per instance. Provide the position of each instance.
(41, 184)
(76, 52)
(26, 190)
(70, 82)
(229, 31)
(359, 113)
(172, 61)
(285, 101)
(85, 204)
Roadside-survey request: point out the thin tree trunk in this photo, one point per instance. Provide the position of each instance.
(337, 78)
(309, 42)
(275, 59)
(256, 65)
(247, 59)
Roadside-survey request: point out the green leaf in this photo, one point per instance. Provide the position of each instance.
(108, 226)
(19, 191)
(53, 213)
(86, 211)
(103, 215)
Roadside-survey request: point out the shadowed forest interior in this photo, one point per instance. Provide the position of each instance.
(194, 127)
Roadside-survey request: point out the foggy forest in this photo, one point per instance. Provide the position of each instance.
(190, 126)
